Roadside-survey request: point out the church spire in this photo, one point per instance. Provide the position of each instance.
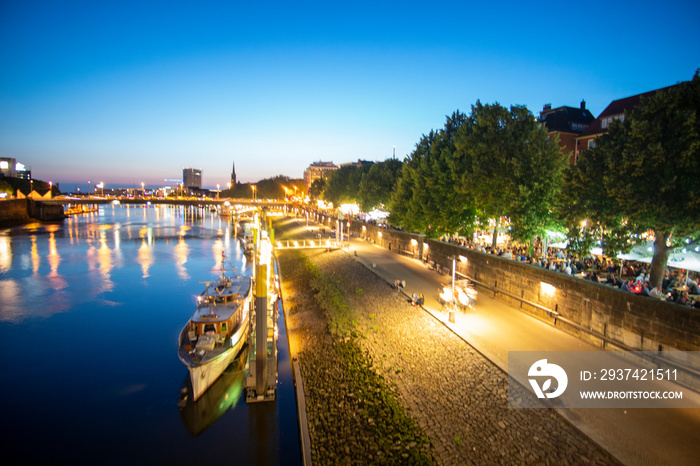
(233, 175)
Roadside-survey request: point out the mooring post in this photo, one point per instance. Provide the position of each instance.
(261, 328)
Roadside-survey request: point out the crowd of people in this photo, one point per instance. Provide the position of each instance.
(677, 286)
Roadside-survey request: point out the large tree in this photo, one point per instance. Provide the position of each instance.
(425, 198)
(377, 184)
(317, 187)
(343, 184)
(505, 161)
(643, 175)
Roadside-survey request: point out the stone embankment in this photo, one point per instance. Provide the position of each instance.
(449, 393)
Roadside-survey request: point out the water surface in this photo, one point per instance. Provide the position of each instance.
(90, 314)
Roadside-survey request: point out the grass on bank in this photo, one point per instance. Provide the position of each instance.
(395, 436)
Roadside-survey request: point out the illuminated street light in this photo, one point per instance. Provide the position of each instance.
(217, 191)
(454, 275)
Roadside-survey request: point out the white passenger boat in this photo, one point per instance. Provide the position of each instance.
(217, 331)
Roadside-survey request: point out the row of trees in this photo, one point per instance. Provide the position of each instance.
(498, 162)
(277, 187)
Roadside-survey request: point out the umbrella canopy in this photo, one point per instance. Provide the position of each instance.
(678, 258)
(640, 253)
(688, 260)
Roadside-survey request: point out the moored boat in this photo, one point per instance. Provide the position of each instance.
(217, 331)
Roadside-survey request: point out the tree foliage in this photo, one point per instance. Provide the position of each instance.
(506, 163)
(377, 184)
(425, 199)
(317, 187)
(643, 175)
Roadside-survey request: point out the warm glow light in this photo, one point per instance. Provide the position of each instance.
(463, 259)
(349, 209)
(414, 242)
(547, 289)
(446, 294)
(380, 234)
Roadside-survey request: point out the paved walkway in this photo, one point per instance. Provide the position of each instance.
(633, 436)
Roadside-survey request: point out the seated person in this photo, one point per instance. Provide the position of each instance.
(669, 282)
(683, 298)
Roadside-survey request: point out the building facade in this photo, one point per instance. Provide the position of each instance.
(317, 170)
(192, 178)
(10, 168)
(615, 111)
(567, 122)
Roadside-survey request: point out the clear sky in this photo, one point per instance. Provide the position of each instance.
(125, 92)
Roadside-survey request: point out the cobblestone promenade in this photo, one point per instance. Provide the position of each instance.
(455, 395)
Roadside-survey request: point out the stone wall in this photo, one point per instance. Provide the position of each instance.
(19, 211)
(597, 313)
(13, 211)
(45, 211)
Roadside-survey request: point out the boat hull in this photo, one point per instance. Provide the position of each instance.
(204, 375)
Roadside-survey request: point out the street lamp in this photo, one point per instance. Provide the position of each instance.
(143, 190)
(252, 186)
(454, 275)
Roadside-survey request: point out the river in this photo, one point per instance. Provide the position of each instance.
(90, 314)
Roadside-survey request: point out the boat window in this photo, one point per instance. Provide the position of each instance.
(224, 327)
(209, 328)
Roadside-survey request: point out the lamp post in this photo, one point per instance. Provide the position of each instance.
(452, 301)
(252, 186)
(143, 191)
(217, 192)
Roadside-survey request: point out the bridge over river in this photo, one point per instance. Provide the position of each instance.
(55, 209)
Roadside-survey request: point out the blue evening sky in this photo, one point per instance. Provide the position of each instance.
(125, 92)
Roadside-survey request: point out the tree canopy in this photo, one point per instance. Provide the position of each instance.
(377, 184)
(642, 175)
(425, 199)
(506, 163)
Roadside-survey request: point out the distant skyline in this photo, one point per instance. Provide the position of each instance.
(133, 92)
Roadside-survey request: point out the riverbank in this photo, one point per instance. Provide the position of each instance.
(455, 396)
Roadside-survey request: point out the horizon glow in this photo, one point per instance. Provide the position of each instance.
(133, 92)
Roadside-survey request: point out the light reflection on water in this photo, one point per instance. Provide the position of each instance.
(90, 312)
